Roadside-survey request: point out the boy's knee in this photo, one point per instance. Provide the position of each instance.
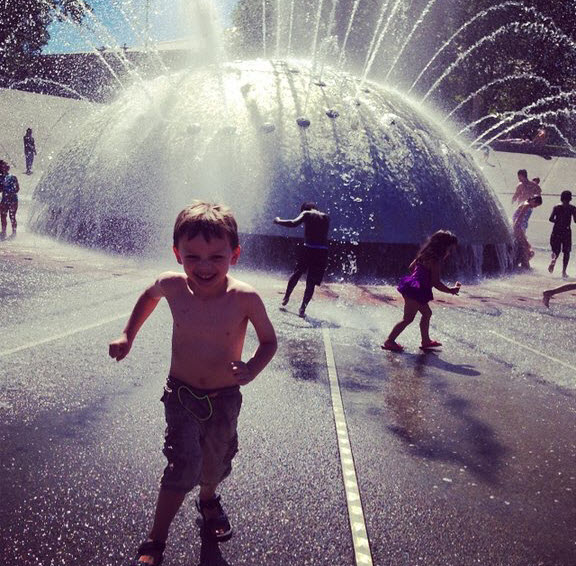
(180, 476)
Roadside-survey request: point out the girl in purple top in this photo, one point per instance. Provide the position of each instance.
(416, 288)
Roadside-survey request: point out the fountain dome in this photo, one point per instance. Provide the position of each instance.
(263, 136)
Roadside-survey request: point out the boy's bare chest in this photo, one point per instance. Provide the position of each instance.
(193, 316)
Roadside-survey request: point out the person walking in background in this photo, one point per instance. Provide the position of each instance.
(525, 188)
(313, 254)
(540, 138)
(561, 237)
(9, 204)
(523, 252)
(202, 398)
(29, 150)
(547, 295)
(416, 288)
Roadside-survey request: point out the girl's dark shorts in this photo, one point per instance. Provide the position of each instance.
(201, 437)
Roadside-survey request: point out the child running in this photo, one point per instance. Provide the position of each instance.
(202, 398)
(561, 237)
(9, 205)
(416, 288)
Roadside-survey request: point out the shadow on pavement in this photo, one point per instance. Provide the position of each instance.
(431, 358)
(439, 425)
(210, 554)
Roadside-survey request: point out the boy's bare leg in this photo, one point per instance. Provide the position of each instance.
(207, 492)
(4, 221)
(294, 278)
(565, 260)
(552, 263)
(308, 293)
(547, 295)
(168, 504)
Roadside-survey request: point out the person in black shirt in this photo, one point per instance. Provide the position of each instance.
(29, 150)
(561, 237)
(313, 253)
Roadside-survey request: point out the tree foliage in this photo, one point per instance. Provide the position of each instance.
(24, 29)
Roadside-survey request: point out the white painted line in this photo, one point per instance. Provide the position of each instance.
(60, 336)
(537, 352)
(362, 552)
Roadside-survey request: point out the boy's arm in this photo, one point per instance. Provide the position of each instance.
(437, 283)
(267, 343)
(144, 306)
(16, 185)
(553, 215)
(290, 223)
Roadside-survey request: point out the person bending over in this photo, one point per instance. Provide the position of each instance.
(313, 253)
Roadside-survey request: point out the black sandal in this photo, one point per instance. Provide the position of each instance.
(217, 528)
(153, 548)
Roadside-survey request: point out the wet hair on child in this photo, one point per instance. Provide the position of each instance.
(436, 246)
(209, 219)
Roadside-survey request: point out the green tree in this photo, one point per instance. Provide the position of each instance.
(24, 30)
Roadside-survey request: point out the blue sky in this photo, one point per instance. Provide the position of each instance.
(124, 21)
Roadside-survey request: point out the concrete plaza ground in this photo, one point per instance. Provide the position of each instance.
(464, 456)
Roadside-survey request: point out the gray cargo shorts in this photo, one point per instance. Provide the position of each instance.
(201, 437)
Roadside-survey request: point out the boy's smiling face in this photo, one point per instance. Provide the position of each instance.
(206, 263)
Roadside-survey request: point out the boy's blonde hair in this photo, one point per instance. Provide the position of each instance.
(209, 219)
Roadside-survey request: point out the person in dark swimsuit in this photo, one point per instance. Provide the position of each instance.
(313, 253)
(9, 188)
(561, 237)
(29, 150)
(416, 288)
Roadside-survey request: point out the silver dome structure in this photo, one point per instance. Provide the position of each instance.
(263, 136)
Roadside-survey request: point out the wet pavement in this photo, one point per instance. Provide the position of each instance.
(462, 456)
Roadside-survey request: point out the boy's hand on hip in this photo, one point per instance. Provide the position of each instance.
(241, 372)
(118, 349)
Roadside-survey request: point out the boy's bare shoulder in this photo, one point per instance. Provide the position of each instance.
(241, 287)
(243, 291)
(170, 278)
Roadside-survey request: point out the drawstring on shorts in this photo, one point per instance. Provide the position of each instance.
(198, 398)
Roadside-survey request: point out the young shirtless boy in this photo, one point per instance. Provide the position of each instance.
(202, 398)
(561, 237)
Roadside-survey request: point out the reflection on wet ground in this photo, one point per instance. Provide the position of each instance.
(479, 412)
(435, 422)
